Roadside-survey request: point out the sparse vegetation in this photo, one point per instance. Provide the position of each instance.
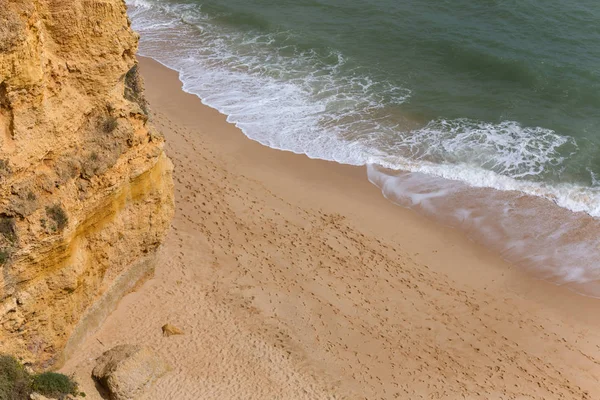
(22, 201)
(7, 228)
(17, 384)
(92, 165)
(110, 124)
(134, 88)
(8, 238)
(53, 384)
(58, 215)
(4, 257)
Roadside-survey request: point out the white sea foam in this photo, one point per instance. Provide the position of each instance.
(139, 4)
(292, 100)
(301, 101)
(556, 244)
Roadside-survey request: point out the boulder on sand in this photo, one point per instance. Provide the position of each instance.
(126, 371)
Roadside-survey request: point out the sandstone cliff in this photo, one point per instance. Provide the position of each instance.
(85, 187)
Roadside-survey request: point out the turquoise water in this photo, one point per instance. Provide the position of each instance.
(462, 95)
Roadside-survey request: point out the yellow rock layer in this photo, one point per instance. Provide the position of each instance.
(86, 193)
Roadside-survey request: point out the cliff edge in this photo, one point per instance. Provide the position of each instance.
(86, 194)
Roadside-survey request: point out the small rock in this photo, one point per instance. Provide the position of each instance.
(126, 371)
(37, 396)
(170, 330)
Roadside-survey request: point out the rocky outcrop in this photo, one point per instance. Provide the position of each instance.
(126, 371)
(85, 187)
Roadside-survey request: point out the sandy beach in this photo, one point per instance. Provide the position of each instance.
(294, 278)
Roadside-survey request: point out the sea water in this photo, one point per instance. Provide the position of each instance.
(482, 114)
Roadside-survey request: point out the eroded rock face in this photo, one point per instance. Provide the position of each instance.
(126, 371)
(85, 187)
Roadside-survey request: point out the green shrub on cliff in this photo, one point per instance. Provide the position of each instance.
(4, 257)
(7, 228)
(58, 215)
(17, 384)
(53, 384)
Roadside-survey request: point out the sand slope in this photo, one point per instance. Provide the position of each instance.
(292, 278)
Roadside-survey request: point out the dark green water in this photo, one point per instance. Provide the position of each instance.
(536, 62)
(501, 94)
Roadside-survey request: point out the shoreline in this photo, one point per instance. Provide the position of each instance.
(503, 220)
(350, 177)
(307, 296)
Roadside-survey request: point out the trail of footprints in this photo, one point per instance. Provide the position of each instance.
(358, 309)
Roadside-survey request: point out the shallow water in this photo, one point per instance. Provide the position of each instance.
(459, 94)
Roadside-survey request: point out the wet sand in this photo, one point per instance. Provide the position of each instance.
(295, 279)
